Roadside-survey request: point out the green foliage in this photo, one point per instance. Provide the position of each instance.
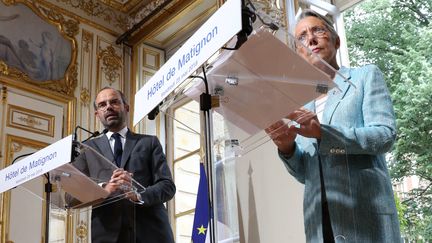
(396, 35)
(401, 209)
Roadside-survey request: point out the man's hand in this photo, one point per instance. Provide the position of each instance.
(121, 180)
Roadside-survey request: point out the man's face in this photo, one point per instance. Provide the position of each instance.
(110, 110)
(313, 33)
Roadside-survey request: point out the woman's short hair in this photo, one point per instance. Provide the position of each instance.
(327, 22)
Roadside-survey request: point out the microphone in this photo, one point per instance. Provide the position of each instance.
(95, 134)
(92, 134)
(153, 113)
(75, 145)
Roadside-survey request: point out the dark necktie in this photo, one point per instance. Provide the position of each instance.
(118, 149)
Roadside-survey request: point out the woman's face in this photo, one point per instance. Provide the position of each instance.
(313, 33)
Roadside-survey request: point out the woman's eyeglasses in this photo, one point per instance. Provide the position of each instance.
(317, 31)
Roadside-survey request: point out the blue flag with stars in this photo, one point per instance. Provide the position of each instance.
(202, 210)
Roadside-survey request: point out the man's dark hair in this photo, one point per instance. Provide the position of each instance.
(123, 97)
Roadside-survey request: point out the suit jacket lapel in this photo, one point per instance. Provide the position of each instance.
(103, 145)
(131, 140)
(336, 94)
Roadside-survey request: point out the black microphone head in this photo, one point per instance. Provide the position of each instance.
(152, 115)
(105, 131)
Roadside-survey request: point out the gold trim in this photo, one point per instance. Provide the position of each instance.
(134, 75)
(69, 102)
(86, 40)
(6, 196)
(69, 226)
(113, 59)
(156, 56)
(158, 125)
(96, 9)
(125, 7)
(81, 231)
(111, 63)
(110, 60)
(68, 29)
(31, 114)
(4, 95)
(85, 97)
(80, 19)
(87, 47)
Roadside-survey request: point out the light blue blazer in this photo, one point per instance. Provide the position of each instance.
(357, 128)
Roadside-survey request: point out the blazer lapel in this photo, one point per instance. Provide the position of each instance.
(336, 94)
(103, 144)
(131, 140)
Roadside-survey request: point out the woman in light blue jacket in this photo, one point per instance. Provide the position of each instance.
(339, 156)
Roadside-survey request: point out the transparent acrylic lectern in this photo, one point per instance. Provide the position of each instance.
(43, 208)
(82, 181)
(256, 86)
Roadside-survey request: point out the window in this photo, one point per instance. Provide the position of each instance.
(186, 158)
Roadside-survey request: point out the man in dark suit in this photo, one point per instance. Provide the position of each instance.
(139, 217)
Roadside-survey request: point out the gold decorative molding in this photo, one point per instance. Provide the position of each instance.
(144, 12)
(30, 120)
(16, 147)
(4, 70)
(85, 97)
(274, 9)
(94, 8)
(4, 94)
(111, 64)
(81, 231)
(87, 40)
(68, 28)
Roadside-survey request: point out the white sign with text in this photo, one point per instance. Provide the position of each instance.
(209, 38)
(37, 164)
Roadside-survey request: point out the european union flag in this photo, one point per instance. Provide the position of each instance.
(202, 210)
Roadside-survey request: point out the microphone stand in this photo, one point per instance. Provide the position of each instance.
(205, 107)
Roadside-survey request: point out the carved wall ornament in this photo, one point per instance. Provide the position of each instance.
(4, 70)
(111, 64)
(16, 147)
(4, 94)
(273, 9)
(144, 12)
(30, 121)
(85, 96)
(81, 231)
(87, 40)
(96, 9)
(45, 54)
